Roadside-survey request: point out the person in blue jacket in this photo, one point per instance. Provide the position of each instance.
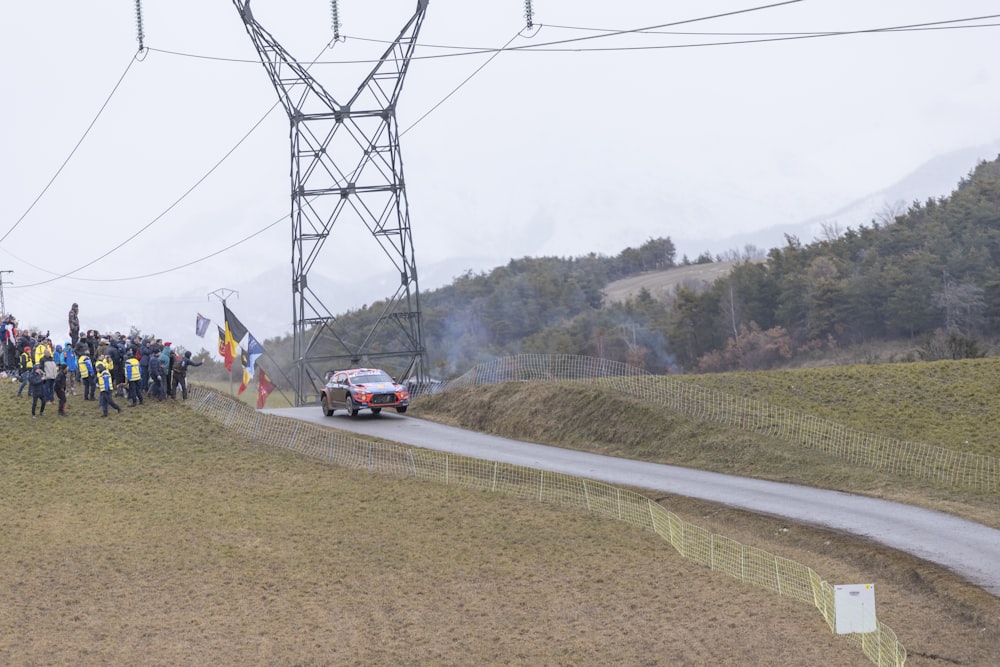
(72, 369)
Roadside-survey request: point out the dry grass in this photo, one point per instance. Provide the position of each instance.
(156, 537)
(278, 399)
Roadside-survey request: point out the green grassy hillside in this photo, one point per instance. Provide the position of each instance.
(941, 403)
(954, 404)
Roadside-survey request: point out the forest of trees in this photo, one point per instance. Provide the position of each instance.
(930, 274)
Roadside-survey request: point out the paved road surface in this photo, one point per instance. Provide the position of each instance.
(967, 548)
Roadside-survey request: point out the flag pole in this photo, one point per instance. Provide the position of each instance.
(222, 294)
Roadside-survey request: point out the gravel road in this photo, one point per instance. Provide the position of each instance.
(967, 548)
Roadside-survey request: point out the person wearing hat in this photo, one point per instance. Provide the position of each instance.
(25, 363)
(74, 324)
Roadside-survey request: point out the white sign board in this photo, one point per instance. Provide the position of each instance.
(854, 605)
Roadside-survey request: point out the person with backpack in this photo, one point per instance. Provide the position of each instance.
(88, 376)
(180, 375)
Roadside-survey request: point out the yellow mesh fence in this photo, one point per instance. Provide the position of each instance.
(979, 472)
(719, 553)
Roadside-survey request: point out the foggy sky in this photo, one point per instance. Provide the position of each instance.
(586, 146)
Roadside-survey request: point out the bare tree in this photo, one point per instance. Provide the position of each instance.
(830, 231)
(963, 305)
(887, 213)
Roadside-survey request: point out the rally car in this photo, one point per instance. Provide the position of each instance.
(362, 389)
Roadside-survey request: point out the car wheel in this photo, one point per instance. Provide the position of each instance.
(375, 411)
(401, 409)
(327, 410)
(351, 410)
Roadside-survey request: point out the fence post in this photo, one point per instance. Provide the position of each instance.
(229, 417)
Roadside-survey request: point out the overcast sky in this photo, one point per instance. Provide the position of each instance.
(576, 147)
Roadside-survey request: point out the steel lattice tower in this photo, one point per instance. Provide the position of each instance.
(346, 168)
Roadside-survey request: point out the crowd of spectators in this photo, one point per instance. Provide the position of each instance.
(103, 365)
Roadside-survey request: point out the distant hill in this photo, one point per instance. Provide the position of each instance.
(936, 178)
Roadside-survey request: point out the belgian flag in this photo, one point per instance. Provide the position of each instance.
(235, 331)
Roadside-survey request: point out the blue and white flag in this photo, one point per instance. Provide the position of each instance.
(201, 325)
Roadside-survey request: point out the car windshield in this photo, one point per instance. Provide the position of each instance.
(373, 376)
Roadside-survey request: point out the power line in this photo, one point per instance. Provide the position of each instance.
(57, 276)
(459, 86)
(915, 27)
(609, 32)
(766, 37)
(71, 153)
(179, 266)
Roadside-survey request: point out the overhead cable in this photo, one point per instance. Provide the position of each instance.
(952, 24)
(71, 153)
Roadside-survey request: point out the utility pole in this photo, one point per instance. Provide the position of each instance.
(222, 294)
(3, 306)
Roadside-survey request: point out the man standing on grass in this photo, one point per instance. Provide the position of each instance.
(36, 389)
(60, 388)
(133, 377)
(180, 375)
(87, 376)
(155, 374)
(25, 364)
(107, 390)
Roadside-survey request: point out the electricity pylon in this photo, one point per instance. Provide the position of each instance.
(347, 169)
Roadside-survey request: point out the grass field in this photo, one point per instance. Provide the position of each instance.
(277, 399)
(155, 537)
